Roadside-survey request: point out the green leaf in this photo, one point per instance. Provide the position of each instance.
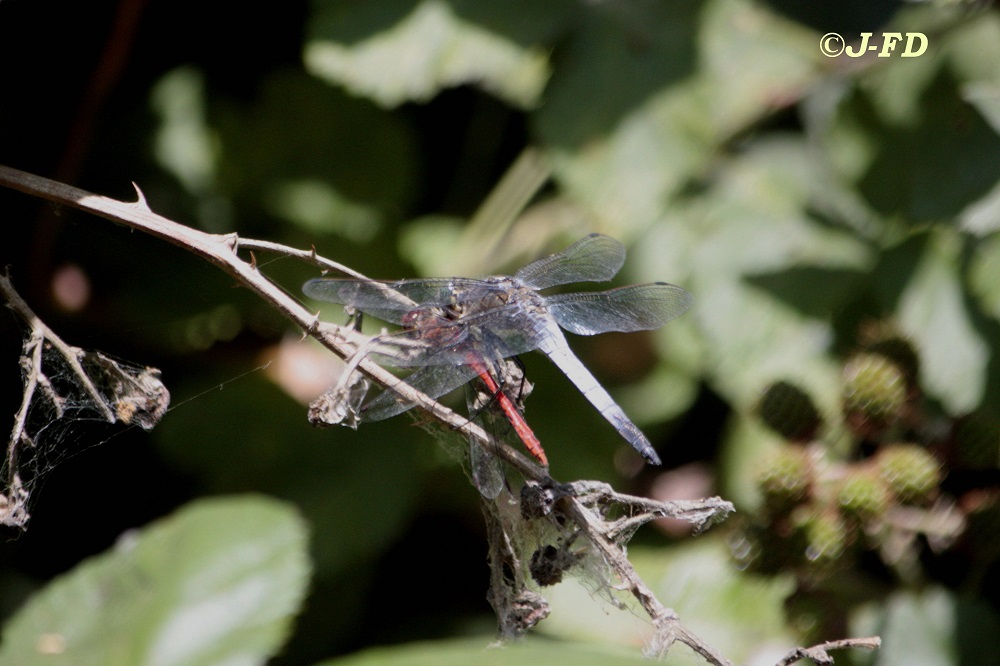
(315, 206)
(904, 124)
(218, 582)
(483, 652)
(314, 156)
(618, 58)
(689, 77)
(754, 62)
(930, 628)
(742, 616)
(429, 46)
(753, 223)
(932, 311)
(184, 144)
(949, 137)
(984, 275)
(643, 133)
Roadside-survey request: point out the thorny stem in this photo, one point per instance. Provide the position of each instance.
(222, 250)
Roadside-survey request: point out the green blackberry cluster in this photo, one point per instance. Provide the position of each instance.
(889, 484)
(826, 505)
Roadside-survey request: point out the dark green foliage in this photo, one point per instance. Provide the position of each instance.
(797, 197)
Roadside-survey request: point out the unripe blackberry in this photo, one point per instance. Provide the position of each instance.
(885, 341)
(874, 393)
(826, 536)
(863, 494)
(789, 411)
(785, 477)
(911, 472)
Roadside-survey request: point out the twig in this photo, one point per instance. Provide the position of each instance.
(310, 256)
(819, 653)
(135, 397)
(41, 334)
(585, 503)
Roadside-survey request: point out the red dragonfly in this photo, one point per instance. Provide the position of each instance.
(453, 325)
(493, 388)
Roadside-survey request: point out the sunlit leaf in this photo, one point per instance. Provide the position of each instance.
(218, 582)
(481, 651)
(429, 47)
(931, 628)
(932, 311)
(317, 206)
(985, 275)
(653, 119)
(753, 223)
(755, 62)
(184, 144)
(740, 615)
(903, 125)
(315, 157)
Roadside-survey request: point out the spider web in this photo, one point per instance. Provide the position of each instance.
(531, 545)
(70, 398)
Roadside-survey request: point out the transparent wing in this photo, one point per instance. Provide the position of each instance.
(433, 380)
(596, 258)
(484, 466)
(640, 307)
(390, 301)
(492, 334)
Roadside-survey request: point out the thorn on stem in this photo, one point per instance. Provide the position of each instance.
(141, 201)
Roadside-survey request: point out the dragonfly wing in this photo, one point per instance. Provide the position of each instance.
(640, 307)
(492, 335)
(555, 347)
(484, 466)
(432, 380)
(595, 258)
(504, 332)
(389, 301)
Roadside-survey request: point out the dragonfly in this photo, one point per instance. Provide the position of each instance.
(491, 386)
(451, 326)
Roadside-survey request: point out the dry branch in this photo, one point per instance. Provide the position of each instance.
(584, 504)
(121, 393)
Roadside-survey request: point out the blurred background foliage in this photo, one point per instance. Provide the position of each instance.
(835, 219)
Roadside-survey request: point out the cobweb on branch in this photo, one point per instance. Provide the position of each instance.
(540, 532)
(65, 388)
